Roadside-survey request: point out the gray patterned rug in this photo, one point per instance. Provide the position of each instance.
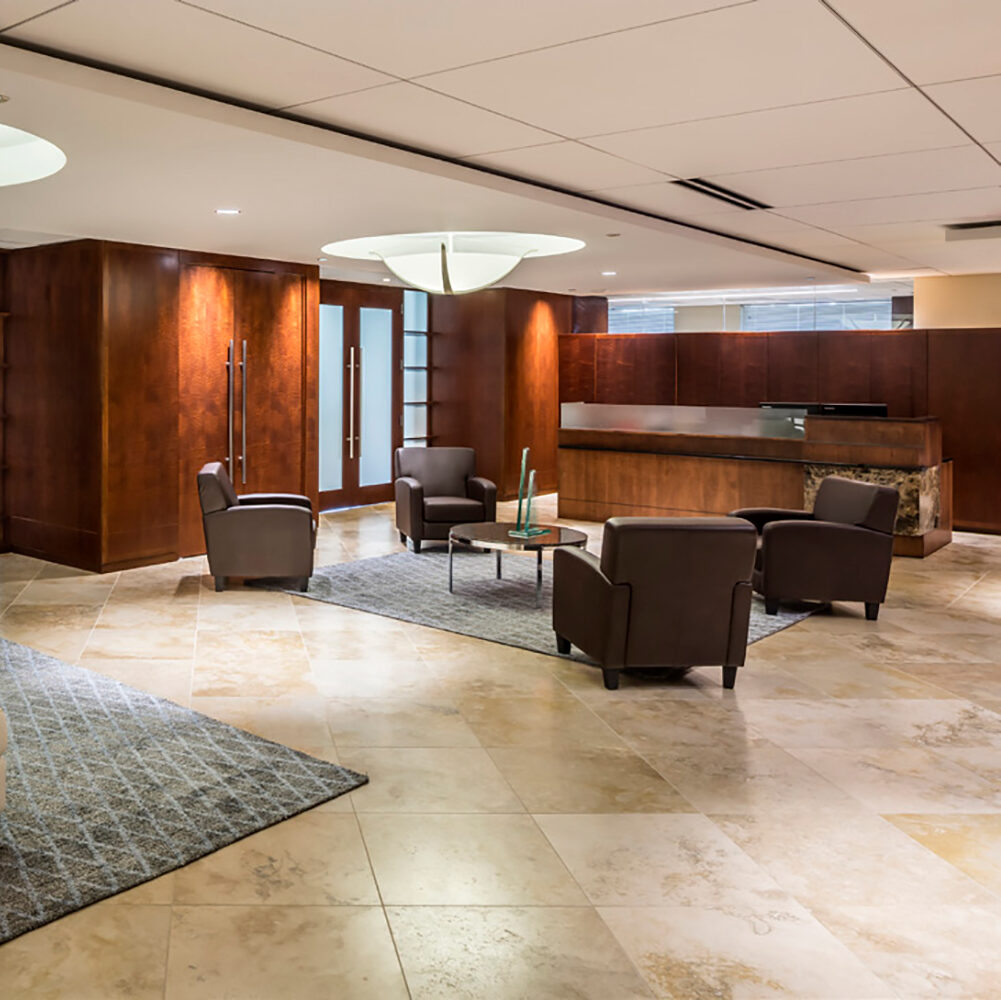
(414, 588)
(108, 787)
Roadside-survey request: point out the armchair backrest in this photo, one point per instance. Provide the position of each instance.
(866, 505)
(441, 471)
(215, 488)
(681, 572)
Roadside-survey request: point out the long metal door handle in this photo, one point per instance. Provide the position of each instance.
(351, 403)
(243, 422)
(229, 406)
(361, 374)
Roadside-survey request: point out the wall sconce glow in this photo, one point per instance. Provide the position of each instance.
(25, 157)
(453, 263)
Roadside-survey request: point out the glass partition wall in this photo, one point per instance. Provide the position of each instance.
(361, 391)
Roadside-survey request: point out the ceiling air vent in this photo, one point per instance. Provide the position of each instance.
(990, 230)
(721, 193)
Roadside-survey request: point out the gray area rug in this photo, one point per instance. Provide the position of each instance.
(108, 787)
(414, 588)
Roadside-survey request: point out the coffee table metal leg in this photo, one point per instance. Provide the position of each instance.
(538, 578)
(498, 564)
(450, 564)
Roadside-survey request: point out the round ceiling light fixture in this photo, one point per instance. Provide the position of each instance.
(453, 263)
(25, 157)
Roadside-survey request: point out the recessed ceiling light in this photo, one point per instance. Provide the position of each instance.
(322, 260)
(387, 280)
(609, 274)
(27, 157)
(227, 211)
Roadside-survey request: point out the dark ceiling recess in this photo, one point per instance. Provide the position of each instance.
(721, 193)
(987, 230)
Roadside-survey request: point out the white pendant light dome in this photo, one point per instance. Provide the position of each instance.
(453, 263)
(25, 157)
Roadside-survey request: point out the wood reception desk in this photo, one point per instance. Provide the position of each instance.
(682, 461)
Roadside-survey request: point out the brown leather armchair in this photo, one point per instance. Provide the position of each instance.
(839, 551)
(257, 534)
(667, 592)
(437, 488)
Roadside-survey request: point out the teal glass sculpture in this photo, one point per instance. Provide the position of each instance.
(526, 530)
(521, 485)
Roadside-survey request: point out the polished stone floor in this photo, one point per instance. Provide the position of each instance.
(830, 829)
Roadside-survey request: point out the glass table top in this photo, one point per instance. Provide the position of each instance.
(495, 535)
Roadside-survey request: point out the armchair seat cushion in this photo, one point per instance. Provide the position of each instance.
(454, 510)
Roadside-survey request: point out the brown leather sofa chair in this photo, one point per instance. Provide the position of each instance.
(437, 488)
(667, 592)
(839, 551)
(257, 534)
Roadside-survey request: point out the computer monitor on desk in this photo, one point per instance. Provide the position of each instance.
(832, 409)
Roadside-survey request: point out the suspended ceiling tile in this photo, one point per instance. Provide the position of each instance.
(871, 177)
(410, 114)
(570, 165)
(930, 40)
(424, 36)
(975, 104)
(14, 11)
(745, 58)
(893, 122)
(946, 207)
(185, 45)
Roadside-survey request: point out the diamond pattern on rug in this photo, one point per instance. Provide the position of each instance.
(108, 787)
(414, 588)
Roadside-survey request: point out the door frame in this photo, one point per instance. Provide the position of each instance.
(353, 297)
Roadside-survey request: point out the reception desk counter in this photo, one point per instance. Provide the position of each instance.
(682, 461)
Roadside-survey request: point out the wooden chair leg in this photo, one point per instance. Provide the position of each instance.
(729, 677)
(220, 583)
(871, 610)
(771, 606)
(403, 538)
(611, 678)
(562, 645)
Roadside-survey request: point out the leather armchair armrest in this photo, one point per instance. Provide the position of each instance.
(478, 488)
(409, 507)
(588, 609)
(849, 559)
(289, 499)
(760, 516)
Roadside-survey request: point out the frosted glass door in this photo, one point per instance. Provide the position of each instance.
(331, 397)
(375, 337)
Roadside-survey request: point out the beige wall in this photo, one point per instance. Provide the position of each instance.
(706, 319)
(957, 301)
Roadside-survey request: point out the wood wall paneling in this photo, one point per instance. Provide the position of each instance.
(792, 367)
(140, 489)
(53, 427)
(698, 368)
(963, 378)
(899, 371)
(533, 324)
(468, 375)
(743, 368)
(635, 368)
(844, 366)
(577, 367)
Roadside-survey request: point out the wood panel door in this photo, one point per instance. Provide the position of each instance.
(240, 368)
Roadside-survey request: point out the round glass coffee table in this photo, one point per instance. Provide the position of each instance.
(497, 535)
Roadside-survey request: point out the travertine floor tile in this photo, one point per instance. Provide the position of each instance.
(575, 780)
(429, 780)
(287, 952)
(471, 860)
(970, 842)
(656, 860)
(776, 951)
(103, 951)
(295, 720)
(314, 859)
(394, 722)
(509, 953)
